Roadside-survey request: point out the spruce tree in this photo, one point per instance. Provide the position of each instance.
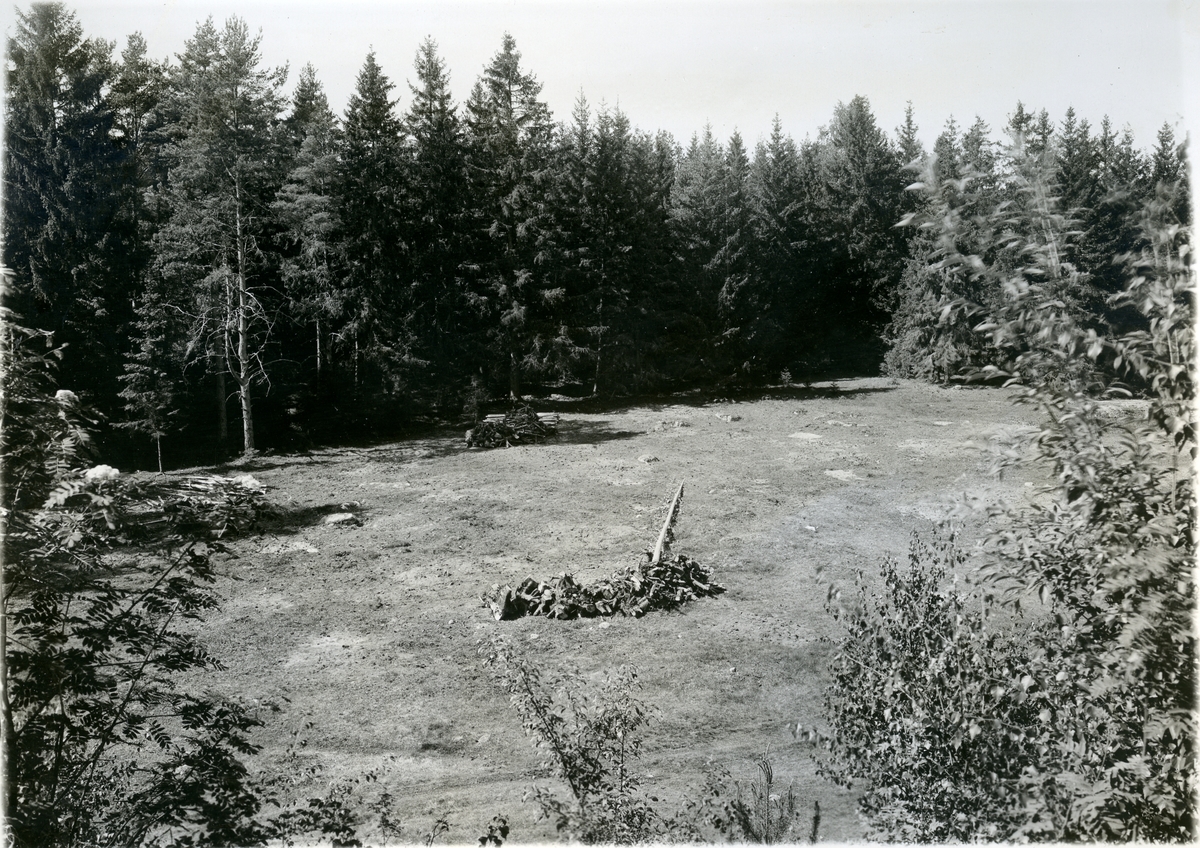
(64, 231)
(307, 213)
(510, 137)
(740, 305)
(446, 324)
(1168, 173)
(770, 310)
(862, 192)
(371, 181)
(696, 204)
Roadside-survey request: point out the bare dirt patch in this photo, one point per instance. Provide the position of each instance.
(369, 632)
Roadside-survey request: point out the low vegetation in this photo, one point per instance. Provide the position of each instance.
(1073, 720)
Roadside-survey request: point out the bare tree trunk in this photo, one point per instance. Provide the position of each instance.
(599, 345)
(222, 402)
(667, 534)
(245, 365)
(318, 347)
(8, 796)
(514, 377)
(158, 444)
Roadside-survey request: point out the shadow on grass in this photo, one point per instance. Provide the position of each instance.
(830, 390)
(590, 433)
(283, 519)
(429, 440)
(267, 462)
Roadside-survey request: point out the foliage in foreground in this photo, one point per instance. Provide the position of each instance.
(106, 579)
(1077, 722)
(591, 740)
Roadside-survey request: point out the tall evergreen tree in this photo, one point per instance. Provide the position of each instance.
(307, 213)
(224, 173)
(657, 320)
(510, 143)
(64, 231)
(908, 144)
(861, 203)
(446, 318)
(734, 262)
(370, 198)
(1168, 173)
(1111, 225)
(771, 312)
(696, 210)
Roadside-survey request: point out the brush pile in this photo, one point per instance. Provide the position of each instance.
(663, 582)
(519, 426)
(204, 505)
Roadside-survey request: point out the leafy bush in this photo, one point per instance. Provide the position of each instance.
(105, 580)
(924, 707)
(1080, 723)
(590, 741)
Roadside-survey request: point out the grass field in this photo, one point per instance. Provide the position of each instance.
(367, 635)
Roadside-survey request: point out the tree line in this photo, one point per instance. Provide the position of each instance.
(231, 267)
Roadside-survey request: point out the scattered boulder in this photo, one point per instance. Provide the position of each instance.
(343, 519)
(648, 458)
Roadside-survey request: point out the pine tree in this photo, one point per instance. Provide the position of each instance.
(1020, 122)
(1040, 135)
(696, 203)
(862, 194)
(148, 386)
(1111, 225)
(310, 106)
(656, 320)
(947, 152)
(771, 310)
(1168, 173)
(306, 210)
(908, 144)
(445, 321)
(223, 175)
(741, 307)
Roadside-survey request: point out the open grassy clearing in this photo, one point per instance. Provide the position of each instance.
(369, 632)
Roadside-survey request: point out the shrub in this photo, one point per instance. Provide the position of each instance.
(1080, 723)
(105, 579)
(930, 708)
(591, 741)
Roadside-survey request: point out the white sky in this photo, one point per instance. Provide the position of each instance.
(676, 64)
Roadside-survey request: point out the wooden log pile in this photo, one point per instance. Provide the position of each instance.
(665, 581)
(519, 426)
(197, 505)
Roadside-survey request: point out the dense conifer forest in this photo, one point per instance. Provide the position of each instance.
(200, 260)
(232, 267)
